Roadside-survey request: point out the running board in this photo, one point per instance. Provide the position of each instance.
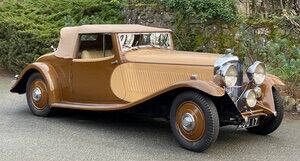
(89, 106)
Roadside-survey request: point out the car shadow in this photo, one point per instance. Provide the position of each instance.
(126, 121)
(149, 131)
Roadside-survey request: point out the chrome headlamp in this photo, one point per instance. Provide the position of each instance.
(229, 75)
(250, 98)
(257, 72)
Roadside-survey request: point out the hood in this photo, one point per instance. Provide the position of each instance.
(165, 56)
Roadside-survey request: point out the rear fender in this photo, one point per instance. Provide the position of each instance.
(48, 73)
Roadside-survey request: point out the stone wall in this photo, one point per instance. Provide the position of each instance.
(147, 14)
(154, 14)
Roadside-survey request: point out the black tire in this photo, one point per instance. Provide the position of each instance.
(46, 110)
(268, 124)
(209, 110)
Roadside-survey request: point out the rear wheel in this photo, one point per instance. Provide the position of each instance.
(194, 121)
(37, 95)
(268, 124)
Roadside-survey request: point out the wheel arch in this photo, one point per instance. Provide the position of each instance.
(208, 88)
(223, 103)
(48, 73)
(165, 98)
(226, 108)
(20, 85)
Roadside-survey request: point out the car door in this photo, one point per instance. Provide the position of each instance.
(92, 68)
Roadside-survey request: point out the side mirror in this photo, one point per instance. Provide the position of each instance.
(53, 48)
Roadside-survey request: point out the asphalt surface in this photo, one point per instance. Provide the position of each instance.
(78, 135)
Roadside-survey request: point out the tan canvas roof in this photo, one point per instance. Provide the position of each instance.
(69, 35)
(116, 28)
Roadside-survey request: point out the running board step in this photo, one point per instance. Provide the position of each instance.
(89, 106)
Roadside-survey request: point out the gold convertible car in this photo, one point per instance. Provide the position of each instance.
(135, 68)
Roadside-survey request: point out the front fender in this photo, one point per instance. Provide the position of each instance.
(267, 97)
(48, 73)
(207, 87)
(274, 80)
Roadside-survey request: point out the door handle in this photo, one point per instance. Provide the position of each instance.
(115, 62)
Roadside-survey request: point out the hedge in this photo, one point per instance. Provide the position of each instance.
(28, 28)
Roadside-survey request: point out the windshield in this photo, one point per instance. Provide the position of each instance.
(132, 41)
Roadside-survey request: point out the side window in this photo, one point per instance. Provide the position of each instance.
(94, 46)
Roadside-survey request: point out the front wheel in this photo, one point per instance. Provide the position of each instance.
(194, 121)
(37, 95)
(268, 124)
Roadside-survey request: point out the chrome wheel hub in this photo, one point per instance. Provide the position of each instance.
(36, 94)
(188, 122)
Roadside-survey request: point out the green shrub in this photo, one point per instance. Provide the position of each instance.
(198, 23)
(268, 43)
(28, 28)
(205, 10)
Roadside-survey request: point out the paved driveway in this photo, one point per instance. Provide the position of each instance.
(76, 135)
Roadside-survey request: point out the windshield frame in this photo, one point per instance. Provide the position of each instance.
(170, 47)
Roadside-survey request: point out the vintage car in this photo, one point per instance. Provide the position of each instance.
(135, 68)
